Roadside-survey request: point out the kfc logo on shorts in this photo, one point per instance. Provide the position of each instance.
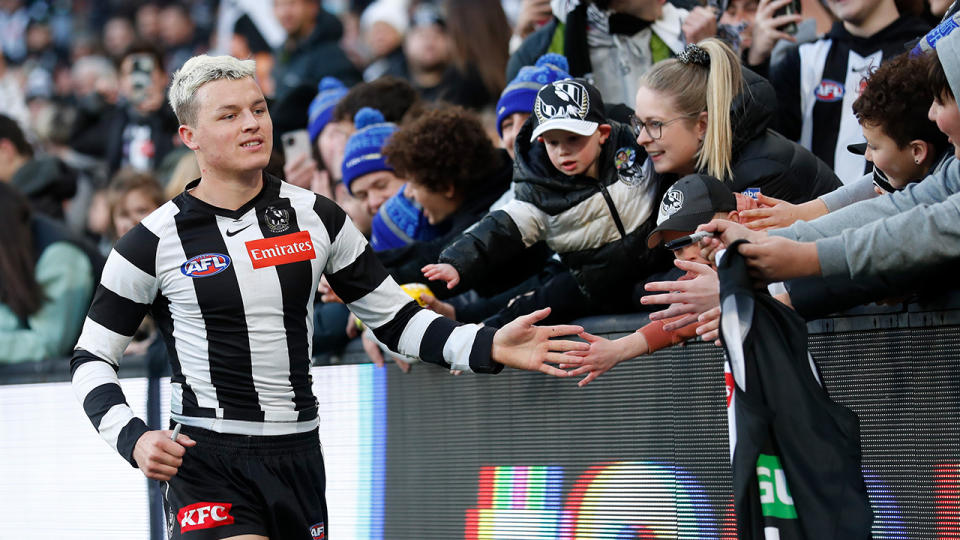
(829, 91)
(285, 249)
(204, 515)
(317, 531)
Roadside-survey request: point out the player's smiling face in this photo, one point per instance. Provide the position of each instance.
(233, 131)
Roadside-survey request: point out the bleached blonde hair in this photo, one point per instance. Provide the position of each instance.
(695, 88)
(197, 72)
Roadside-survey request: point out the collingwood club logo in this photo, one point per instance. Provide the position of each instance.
(277, 219)
(672, 202)
(568, 99)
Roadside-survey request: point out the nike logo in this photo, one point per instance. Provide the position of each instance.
(238, 231)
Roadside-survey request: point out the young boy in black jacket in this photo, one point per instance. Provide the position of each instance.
(579, 187)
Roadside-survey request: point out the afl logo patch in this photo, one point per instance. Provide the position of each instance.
(318, 531)
(206, 265)
(829, 91)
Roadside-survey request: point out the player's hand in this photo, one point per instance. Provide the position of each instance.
(766, 30)
(442, 271)
(521, 345)
(157, 456)
(601, 358)
(439, 306)
(774, 213)
(700, 24)
(696, 292)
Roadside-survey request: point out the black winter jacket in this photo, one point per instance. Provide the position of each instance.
(598, 227)
(762, 158)
(765, 159)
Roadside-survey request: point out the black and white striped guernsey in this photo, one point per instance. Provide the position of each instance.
(232, 293)
(818, 82)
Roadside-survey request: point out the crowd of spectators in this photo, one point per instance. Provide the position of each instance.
(508, 155)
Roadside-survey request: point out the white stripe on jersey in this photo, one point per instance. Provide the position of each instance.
(369, 309)
(113, 423)
(125, 279)
(846, 164)
(813, 57)
(409, 342)
(102, 342)
(190, 338)
(458, 346)
(262, 297)
(309, 221)
(349, 244)
(91, 375)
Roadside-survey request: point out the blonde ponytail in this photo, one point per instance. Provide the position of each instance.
(704, 77)
(723, 84)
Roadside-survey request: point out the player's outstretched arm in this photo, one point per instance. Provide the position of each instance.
(522, 345)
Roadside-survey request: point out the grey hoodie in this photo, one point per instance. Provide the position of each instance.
(904, 231)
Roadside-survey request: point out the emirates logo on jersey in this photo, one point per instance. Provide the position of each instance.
(206, 265)
(286, 249)
(204, 515)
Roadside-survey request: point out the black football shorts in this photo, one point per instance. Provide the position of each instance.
(239, 484)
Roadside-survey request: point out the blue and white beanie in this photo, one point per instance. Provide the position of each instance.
(329, 92)
(521, 93)
(364, 151)
(400, 222)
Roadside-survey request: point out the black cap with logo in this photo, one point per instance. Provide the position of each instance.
(689, 203)
(570, 105)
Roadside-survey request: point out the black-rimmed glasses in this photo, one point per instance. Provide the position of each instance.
(654, 127)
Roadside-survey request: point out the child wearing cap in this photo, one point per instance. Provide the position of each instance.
(693, 200)
(580, 188)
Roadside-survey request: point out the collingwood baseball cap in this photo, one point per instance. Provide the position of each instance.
(858, 149)
(571, 105)
(689, 203)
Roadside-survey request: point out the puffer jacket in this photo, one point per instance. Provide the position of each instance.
(762, 158)
(597, 227)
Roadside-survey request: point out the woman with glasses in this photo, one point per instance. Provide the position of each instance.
(702, 113)
(903, 145)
